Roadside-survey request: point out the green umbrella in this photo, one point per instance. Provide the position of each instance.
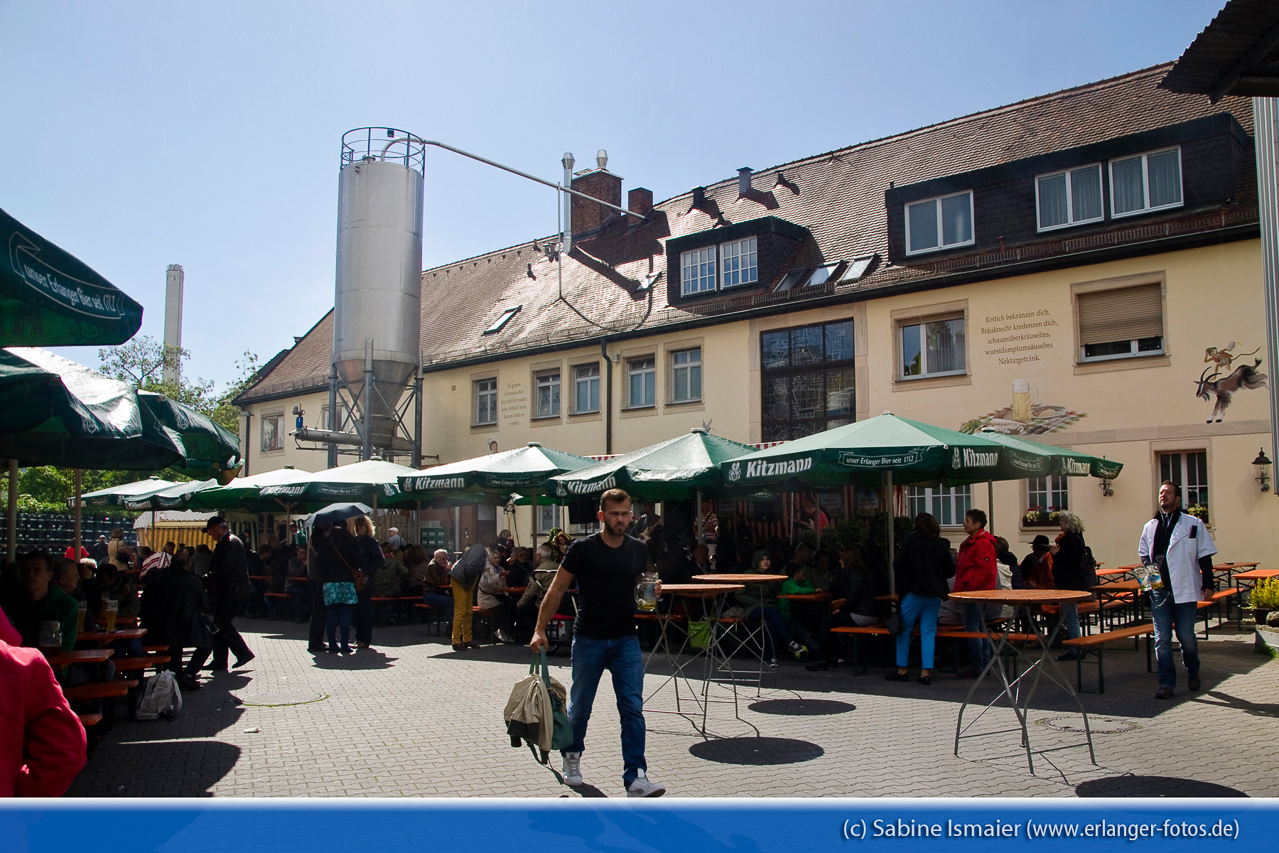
(525, 468)
(862, 453)
(242, 492)
(669, 470)
(48, 297)
(368, 482)
(117, 495)
(176, 496)
(1053, 460)
(56, 412)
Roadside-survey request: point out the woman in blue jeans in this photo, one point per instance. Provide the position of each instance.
(922, 565)
(752, 598)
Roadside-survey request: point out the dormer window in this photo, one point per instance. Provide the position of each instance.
(697, 273)
(733, 257)
(1069, 198)
(1146, 182)
(741, 262)
(939, 223)
(737, 261)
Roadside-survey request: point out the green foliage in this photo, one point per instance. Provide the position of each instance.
(1265, 595)
(844, 533)
(877, 533)
(47, 489)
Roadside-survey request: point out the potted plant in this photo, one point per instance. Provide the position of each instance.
(1199, 511)
(1263, 599)
(1034, 516)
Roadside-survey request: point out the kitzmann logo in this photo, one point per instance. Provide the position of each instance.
(969, 458)
(1076, 468)
(756, 470)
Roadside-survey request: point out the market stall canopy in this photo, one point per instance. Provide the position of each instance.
(117, 495)
(176, 496)
(368, 482)
(669, 470)
(1045, 459)
(525, 468)
(861, 453)
(56, 412)
(242, 492)
(48, 297)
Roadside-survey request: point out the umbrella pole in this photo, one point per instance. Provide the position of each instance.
(990, 504)
(11, 515)
(892, 581)
(699, 517)
(79, 485)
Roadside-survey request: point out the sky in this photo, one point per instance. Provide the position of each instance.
(141, 134)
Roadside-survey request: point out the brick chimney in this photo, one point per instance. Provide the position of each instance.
(639, 200)
(601, 184)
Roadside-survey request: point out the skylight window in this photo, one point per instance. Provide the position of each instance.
(823, 274)
(791, 279)
(858, 267)
(502, 320)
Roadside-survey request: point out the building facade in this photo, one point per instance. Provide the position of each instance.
(1082, 268)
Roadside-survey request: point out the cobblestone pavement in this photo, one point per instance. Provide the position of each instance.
(413, 718)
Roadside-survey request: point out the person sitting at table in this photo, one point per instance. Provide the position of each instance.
(519, 568)
(202, 560)
(42, 743)
(922, 567)
(114, 544)
(559, 542)
(435, 579)
(173, 608)
(296, 583)
(392, 575)
(1037, 567)
(38, 600)
(752, 597)
(492, 595)
(854, 585)
(1006, 558)
(535, 590)
(415, 558)
(800, 583)
(114, 584)
(149, 560)
(89, 591)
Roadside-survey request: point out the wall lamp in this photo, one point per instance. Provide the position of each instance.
(1262, 464)
(1106, 490)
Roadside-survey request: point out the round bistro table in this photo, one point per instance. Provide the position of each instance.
(754, 635)
(1014, 673)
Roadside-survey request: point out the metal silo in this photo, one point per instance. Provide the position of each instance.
(378, 306)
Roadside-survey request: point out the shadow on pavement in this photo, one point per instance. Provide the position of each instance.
(362, 659)
(1225, 700)
(1153, 786)
(802, 707)
(756, 751)
(145, 769)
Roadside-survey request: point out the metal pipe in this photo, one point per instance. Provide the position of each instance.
(892, 524)
(608, 399)
(1267, 151)
(366, 452)
(11, 516)
(78, 477)
(334, 424)
(417, 416)
(566, 230)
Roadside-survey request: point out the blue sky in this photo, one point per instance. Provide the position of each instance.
(140, 134)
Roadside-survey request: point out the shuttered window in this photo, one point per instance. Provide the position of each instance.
(1122, 322)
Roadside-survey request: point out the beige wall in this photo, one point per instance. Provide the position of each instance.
(1128, 410)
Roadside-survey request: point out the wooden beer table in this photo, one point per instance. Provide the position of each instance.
(1014, 675)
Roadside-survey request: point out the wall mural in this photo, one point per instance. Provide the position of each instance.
(1218, 389)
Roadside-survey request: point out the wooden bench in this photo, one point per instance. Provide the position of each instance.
(1097, 643)
(90, 723)
(944, 632)
(430, 608)
(143, 662)
(281, 596)
(100, 693)
(1205, 607)
(381, 601)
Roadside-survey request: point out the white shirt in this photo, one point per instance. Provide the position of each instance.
(1189, 541)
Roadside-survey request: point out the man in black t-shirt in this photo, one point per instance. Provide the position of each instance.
(606, 567)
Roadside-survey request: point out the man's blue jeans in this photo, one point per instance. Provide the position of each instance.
(441, 603)
(621, 657)
(775, 631)
(975, 621)
(1170, 616)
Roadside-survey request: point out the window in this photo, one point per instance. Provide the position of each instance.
(939, 223)
(740, 262)
(641, 383)
(586, 388)
(272, 433)
(1121, 323)
(485, 401)
(548, 518)
(344, 411)
(1189, 470)
(697, 273)
(1046, 492)
(947, 504)
(502, 320)
(807, 380)
(737, 260)
(547, 391)
(1145, 182)
(1069, 198)
(932, 348)
(686, 376)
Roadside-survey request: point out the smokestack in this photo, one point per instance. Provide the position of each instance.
(639, 200)
(173, 321)
(744, 181)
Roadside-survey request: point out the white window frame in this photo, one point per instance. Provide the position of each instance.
(1145, 182)
(938, 501)
(547, 518)
(278, 419)
(1200, 489)
(690, 263)
(548, 381)
(1134, 350)
(737, 250)
(582, 377)
(490, 394)
(686, 362)
(1071, 222)
(905, 323)
(941, 246)
(1048, 487)
(645, 365)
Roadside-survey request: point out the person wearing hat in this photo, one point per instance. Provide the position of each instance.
(229, 587)
(396, 540)
(1037, 567)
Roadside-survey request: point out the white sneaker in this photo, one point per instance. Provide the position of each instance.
(572, 769)
(502, 638)
(642, 787)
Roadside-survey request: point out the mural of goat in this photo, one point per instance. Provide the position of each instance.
(1242, 377)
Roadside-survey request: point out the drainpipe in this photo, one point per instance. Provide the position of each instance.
(608, 398)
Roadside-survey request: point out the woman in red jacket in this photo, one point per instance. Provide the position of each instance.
(976, 570)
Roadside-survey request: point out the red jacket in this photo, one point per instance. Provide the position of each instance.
(42, 744)
(976, 568)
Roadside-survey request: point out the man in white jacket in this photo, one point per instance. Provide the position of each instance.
(1179, 545)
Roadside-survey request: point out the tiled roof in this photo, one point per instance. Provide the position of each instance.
(838, 196)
